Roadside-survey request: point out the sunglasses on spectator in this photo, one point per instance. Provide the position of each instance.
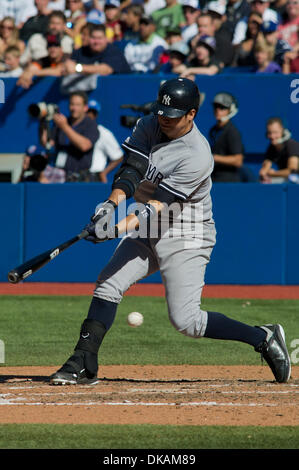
(9, 28)
(257, 1)
(219, 106)
(293, 3)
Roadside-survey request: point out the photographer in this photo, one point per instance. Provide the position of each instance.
(36, 167)
(73, 137)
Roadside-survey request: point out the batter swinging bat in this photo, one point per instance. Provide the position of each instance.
(31, 266)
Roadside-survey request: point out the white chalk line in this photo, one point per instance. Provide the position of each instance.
(191, 404)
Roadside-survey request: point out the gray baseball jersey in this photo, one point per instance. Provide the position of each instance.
(181, 167)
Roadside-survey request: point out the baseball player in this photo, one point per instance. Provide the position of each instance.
(167, 169)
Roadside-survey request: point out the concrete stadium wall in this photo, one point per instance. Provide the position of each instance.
(257, 232)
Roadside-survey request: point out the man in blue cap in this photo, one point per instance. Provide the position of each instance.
(106, 149)
(37, 168)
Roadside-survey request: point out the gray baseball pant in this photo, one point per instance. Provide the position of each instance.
(182, 263)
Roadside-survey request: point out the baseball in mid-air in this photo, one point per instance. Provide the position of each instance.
(135, 319)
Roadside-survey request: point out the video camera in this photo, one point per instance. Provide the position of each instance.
(130, 121)
(43, 110)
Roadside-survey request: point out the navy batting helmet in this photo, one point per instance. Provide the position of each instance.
(176, 97)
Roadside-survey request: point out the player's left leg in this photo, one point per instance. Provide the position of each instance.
(132, 260)
(182, 265)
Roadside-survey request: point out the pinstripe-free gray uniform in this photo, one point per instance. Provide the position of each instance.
(181, 168)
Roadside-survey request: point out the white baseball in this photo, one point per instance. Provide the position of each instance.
(135, 319)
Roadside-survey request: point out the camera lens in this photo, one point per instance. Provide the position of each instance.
(34, 110)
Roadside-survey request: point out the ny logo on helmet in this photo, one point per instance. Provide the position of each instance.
(166, 100)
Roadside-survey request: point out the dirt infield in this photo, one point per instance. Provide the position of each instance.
(155, 290)
(177, 395)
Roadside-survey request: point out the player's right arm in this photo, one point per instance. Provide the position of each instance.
(126, 180)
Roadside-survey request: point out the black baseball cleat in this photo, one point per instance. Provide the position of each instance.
(274, 350)
(80, 369)
(62, 377)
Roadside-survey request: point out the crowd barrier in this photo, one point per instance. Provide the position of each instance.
(257, 232)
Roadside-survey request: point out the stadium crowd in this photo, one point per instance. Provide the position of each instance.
(187, 37)
(86, 38)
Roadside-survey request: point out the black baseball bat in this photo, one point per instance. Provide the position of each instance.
(34, 264)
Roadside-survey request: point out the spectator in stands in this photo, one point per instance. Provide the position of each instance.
(207, 27)
(224, 49)
(73, 138)
(57, 5)
(178, 53)
(203, 62)
(100, 57)
(280, 7)
(75, 20)
(283, 153)
(37, 167)
(168, 18)
(269, 29)
(113, 25)
(291, 61)
(19, 10)
(107, 153)
(95, 13)
(85, 33)
(12, 63)
(257, 6)
(153, 5)
(235, 11)
(244, 55)
(264, 57)
(191, 13)
(289, 30)
(131, 22)
(9, 36)
(51, 65)
(36, 47)
(225, 140)
(144, 56)
(37, 23)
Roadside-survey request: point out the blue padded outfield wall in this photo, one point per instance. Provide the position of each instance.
(258, 225)
(259, 97)
(257, 232)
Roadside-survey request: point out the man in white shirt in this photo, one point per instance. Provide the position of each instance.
(191, 12)
(143, 56)
(106, 149)
(20, 10)
(261, 7)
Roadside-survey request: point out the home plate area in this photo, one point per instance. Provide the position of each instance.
(186, 395)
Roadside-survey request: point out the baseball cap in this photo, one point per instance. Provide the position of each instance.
(218, 6)
(207, 41)
(94, 104)
(179, 46)
(112, 3)
(147, 19)
(225, 99)
(194, 4)
(35, 150)
(269, 27)
(53, 40)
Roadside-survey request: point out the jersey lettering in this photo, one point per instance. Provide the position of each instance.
(153, 174)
